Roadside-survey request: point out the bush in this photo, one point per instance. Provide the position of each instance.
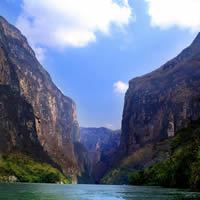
(195, 175)
(181, 169)
(26, 169)
(136, 178)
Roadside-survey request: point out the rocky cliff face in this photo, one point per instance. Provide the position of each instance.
(162, 102)
(101, 145)
(35, 116)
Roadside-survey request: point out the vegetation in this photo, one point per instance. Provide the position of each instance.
(19, 167)
(136, 160)
(181, 169)
(116, 176)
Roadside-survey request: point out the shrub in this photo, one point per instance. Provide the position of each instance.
(26, 169)
(181, 169)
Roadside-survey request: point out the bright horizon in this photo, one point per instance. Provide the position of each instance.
(91, 57)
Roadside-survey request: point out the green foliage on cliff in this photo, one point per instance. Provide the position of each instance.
(116, 176)
(19, 167)
(148, 154)
(181, 169)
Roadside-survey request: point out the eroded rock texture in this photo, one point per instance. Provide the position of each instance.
(101, 145)
(163, 101)
(34, 115)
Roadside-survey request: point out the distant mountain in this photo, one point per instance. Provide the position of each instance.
(35, 117)
(101, 144)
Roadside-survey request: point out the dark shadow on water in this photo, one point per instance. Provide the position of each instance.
(181, 197)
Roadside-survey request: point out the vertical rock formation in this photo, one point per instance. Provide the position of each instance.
(101, 145)
(162, 102)
(35, 116)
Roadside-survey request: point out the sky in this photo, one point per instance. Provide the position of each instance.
(92, 48)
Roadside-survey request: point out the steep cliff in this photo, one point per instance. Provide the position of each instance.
(101, 145)
(35, 117)
(162, 102)
(180, 168)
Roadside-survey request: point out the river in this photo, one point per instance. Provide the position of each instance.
(91, 192)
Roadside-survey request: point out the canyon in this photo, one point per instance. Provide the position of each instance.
(101, 145)
(38, 120)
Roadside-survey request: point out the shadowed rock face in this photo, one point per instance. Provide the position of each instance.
(163, 101)
(101, 145)
(34, 113)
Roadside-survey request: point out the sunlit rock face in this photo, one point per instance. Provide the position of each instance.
(34, 113)
(163, 101)
(101, 145)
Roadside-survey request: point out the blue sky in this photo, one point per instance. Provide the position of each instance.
(99, 45)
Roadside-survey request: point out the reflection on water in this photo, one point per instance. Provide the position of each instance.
(91, 192)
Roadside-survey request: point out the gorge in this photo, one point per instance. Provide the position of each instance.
(39, 124)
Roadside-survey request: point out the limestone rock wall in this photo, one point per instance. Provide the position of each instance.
(163, 101)
(34, 112)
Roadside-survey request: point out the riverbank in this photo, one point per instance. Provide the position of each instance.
(18, 167)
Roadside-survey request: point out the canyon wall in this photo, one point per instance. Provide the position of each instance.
(101, 145)
(162, 102)
(35, 116)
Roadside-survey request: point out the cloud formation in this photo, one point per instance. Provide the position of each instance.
(40, 53)
(180, 13)
(120, 87)
(62, 23)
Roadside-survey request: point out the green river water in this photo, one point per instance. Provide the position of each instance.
(91, 192)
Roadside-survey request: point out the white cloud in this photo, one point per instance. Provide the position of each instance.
(62, 23)
(181, 13)
(120, 87)
(109, 126)
(40, 53)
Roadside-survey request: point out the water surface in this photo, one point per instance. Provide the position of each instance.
(91, 192)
